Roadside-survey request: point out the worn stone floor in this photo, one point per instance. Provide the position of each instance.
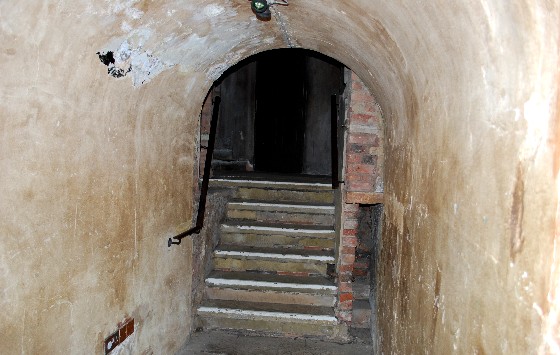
(229, 343)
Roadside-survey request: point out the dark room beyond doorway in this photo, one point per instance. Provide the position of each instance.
(275, 113)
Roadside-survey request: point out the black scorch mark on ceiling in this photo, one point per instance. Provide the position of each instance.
(109, 60)
(106, 58)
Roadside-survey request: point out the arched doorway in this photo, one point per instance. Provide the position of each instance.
(275, 113)
(274, 202)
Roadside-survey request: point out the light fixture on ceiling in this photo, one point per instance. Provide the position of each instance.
(261, 8)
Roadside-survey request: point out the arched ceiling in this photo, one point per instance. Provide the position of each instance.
(97, 169)
(406, 52)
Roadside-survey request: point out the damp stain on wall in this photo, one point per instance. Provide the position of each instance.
(516, 220)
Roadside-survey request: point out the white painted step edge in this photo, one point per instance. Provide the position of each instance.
(295, 257)
(233, 282)
(281, 205)
(268, 183)
(279, 229)
(266, 314)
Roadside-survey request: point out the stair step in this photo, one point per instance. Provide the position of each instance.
(276, 191)
(283, 207)
(361, 314)
(271, 288)
(270, 318)
(270, 267)
(270, 184)
(316, 256)
(281, 212)
(361, 288)
(282, 282)
(278, 229)
(297, 312)
(285, 195)
(275, 240)
(234, 258)
(275, 235)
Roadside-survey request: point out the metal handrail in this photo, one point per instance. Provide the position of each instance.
(205, 179)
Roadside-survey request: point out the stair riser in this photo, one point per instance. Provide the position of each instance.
(361, 318)
(275, 327)
(224, 263)
(293, 232)
(273, 195)
(311, 299)
(279, 220)
(260, 240)
(284, 217)
(282, 207)
(361, 291)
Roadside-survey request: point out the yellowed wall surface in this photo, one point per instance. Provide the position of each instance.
(96, 171)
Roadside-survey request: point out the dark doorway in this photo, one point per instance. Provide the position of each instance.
(280, 114)
(275, 114)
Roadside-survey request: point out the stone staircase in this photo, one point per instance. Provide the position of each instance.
(271, 267)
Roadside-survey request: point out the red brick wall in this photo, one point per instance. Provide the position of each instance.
(364, 144)
(363, 177)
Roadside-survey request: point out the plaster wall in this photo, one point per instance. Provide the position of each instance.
(236, 122)
(95, 175)
(97, 171)
(323, 79)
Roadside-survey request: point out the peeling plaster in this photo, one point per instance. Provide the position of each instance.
(190, 48)
(213, 10)
(130, 55)
(141, 65)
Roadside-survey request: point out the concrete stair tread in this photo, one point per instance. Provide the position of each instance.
(240, 225)
(278, 241)
(270, 184)
(270, 288)
(361, 314)
(262, 176)
(361, 304)
(278, 224)
(304, 214)
(280, 254)
(361, 292)
(272, 310)
(296, 206)
(271, 265)
(266, 281)
(271, 319)
(274, 234)
(296, 203)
